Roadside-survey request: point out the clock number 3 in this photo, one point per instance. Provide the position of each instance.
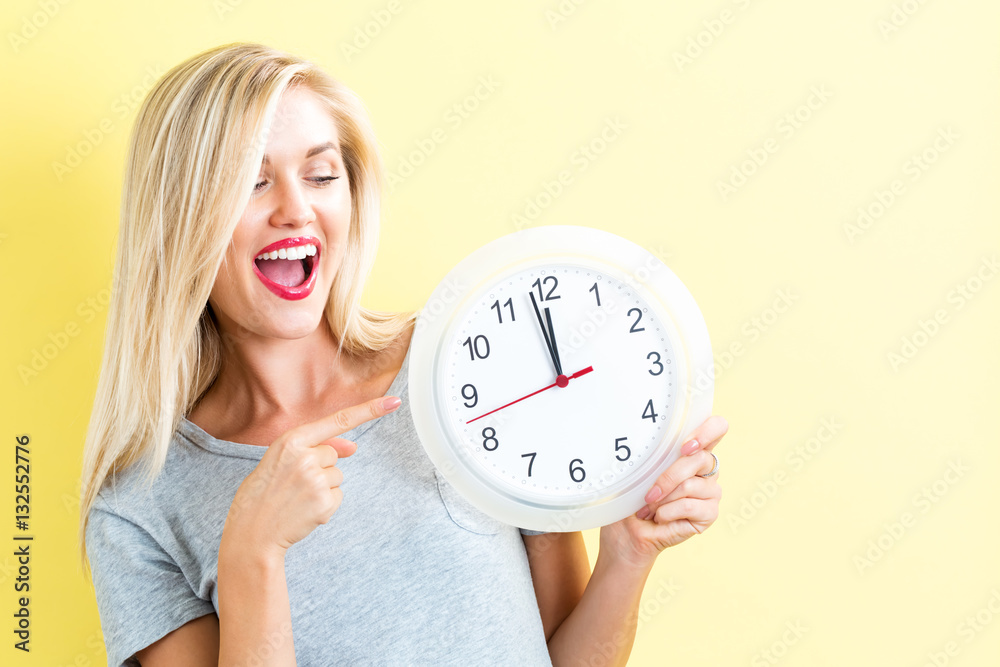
(656, 362)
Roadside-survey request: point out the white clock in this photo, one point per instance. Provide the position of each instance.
(554, 374)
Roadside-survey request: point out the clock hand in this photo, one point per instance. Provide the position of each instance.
(557, 383)
(545, 335)
(552, 342)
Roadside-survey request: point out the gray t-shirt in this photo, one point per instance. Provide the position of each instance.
(405, 572)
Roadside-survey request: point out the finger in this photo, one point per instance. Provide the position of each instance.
(692, 509)
(706, 436)
(317, 432)
(703, 488)
(334, 477)
(337, 449)
(701, 462)
(342, 448)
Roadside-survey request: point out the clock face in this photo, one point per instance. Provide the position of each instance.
(525, 432)
(572, 436)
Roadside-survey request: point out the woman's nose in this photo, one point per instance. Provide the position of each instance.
(293, 207)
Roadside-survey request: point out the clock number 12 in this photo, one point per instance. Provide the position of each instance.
(548, 296)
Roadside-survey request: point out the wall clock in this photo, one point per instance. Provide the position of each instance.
(554, 374)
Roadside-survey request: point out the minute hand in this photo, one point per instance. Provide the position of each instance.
(545, 335)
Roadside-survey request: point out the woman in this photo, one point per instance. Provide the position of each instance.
(242, 383)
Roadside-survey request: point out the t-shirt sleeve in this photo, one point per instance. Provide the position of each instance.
(525, 531)
(141, 592)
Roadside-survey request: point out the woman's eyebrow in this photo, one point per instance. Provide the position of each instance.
(322, 147)
(315, 150)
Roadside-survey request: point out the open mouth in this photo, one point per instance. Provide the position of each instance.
(288, 268)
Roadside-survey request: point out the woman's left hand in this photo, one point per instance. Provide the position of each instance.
(679, 505)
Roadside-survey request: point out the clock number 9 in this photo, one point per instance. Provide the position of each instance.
(578, 469)
(474, 398)
(474, 348)
(491, 436)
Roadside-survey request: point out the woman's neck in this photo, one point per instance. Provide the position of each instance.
(267, 386)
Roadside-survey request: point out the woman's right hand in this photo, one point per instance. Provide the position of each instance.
(296, 485)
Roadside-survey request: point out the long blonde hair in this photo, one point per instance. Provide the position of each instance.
(193, 157)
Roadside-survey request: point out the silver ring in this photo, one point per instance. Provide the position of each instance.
(715, 469)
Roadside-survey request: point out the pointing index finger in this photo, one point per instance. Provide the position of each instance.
(342, 421)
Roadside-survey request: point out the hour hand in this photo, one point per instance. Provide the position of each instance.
(545, 334)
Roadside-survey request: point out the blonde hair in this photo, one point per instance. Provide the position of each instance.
(193, 157)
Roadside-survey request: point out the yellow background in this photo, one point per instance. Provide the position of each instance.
(894, 76)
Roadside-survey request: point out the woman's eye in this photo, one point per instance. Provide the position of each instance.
(320, 179)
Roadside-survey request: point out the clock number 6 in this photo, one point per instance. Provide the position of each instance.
(578, 469)
(491, 436)
(618, 448)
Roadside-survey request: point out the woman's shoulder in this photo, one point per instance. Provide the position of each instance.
(133, 489)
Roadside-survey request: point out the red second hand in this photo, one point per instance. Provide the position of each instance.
(561, 381)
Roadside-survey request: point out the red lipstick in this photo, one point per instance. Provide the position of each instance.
(312, 263)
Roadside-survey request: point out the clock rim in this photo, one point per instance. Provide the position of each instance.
(508, 254)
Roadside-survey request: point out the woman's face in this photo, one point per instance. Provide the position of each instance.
(301, 201)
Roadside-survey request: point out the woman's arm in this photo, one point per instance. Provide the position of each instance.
(560, 570)
(255, 618)
(584, 618)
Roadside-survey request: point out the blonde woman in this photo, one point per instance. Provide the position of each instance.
(242, 384)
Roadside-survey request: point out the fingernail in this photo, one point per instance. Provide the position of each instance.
(391, 403)
(690, 447)
(643, 513)
(653, 495)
